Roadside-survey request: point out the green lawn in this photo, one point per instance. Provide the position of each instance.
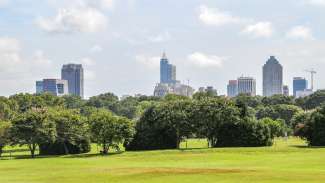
(286, 161)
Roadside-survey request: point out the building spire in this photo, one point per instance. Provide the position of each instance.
(164, 56)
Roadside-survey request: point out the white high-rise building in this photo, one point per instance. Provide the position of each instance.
(247, 85)
(272, 77)
(163, 89)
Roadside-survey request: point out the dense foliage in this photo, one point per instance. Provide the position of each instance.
(313, 129)
(69, 124)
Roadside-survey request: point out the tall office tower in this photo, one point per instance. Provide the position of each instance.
(74, 74)
(56, 87)
(167, 71)
(272, 77)
(247, 85)
(232, 88)
(39, 87)
(286, 90)
(299, 84)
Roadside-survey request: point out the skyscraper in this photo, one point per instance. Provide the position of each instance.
(39, 87)
(56, 87)
(247, 85)
(167, 71)
(299, 84)
(272, 77)
(232, 88)
(74, 74)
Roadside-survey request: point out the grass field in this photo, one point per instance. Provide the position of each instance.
(286, 161)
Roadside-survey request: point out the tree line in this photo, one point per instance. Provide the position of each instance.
(68, 125)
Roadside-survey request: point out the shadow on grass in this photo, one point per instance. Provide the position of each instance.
(11, 157)
(308, 147)
(191, 149)
(92, 155)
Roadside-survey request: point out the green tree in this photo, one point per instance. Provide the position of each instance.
(24, 101)
(277, 127)
(127, 107)
(314, 129)
(251, 101)
(6, 112)
(72, 132)
(281, 111)
(32, 128)
(4, 135)
(208, 115)
(73, 102)
(152, 132)
(108, 130)
(278, 99)
(300, 118)
(313, 101)
(107, 100)
(246, 133)
(177, 115)
(204, 95)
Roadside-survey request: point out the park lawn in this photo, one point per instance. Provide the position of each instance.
(286, 161)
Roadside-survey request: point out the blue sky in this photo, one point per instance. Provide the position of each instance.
(119, 42)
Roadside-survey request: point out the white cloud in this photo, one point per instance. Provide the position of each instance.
(9, 54)
(316, 2)
(163, 37)
(3, 3)
(216, 17)
(90, 75)
(108, 4)
(206, 61)
(77, 19)
(87, 61)
(300, 32)
(96, 49)
(148, 61)
(260, 29)
(39, 58)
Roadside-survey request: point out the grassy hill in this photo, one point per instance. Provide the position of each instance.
(286, 161)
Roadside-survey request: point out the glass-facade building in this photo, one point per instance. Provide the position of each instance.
(56, 87)
(299, 84)
(232, 88)
(167, 71)
(74, 74)
(272, 77)
(39, 87)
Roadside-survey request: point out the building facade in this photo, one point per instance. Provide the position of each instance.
(247, 85)
(167, 71)
(272, 77)
(39, 87)
(304, 93)
(56, 87)
(232, 88)
(163, 89)
(74, 74)
(210, 90)
(286, 91)
(299, 84)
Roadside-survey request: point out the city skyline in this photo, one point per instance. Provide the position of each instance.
(209, 41)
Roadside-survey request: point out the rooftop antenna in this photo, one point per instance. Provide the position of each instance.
(312, 74)
(164, 55)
